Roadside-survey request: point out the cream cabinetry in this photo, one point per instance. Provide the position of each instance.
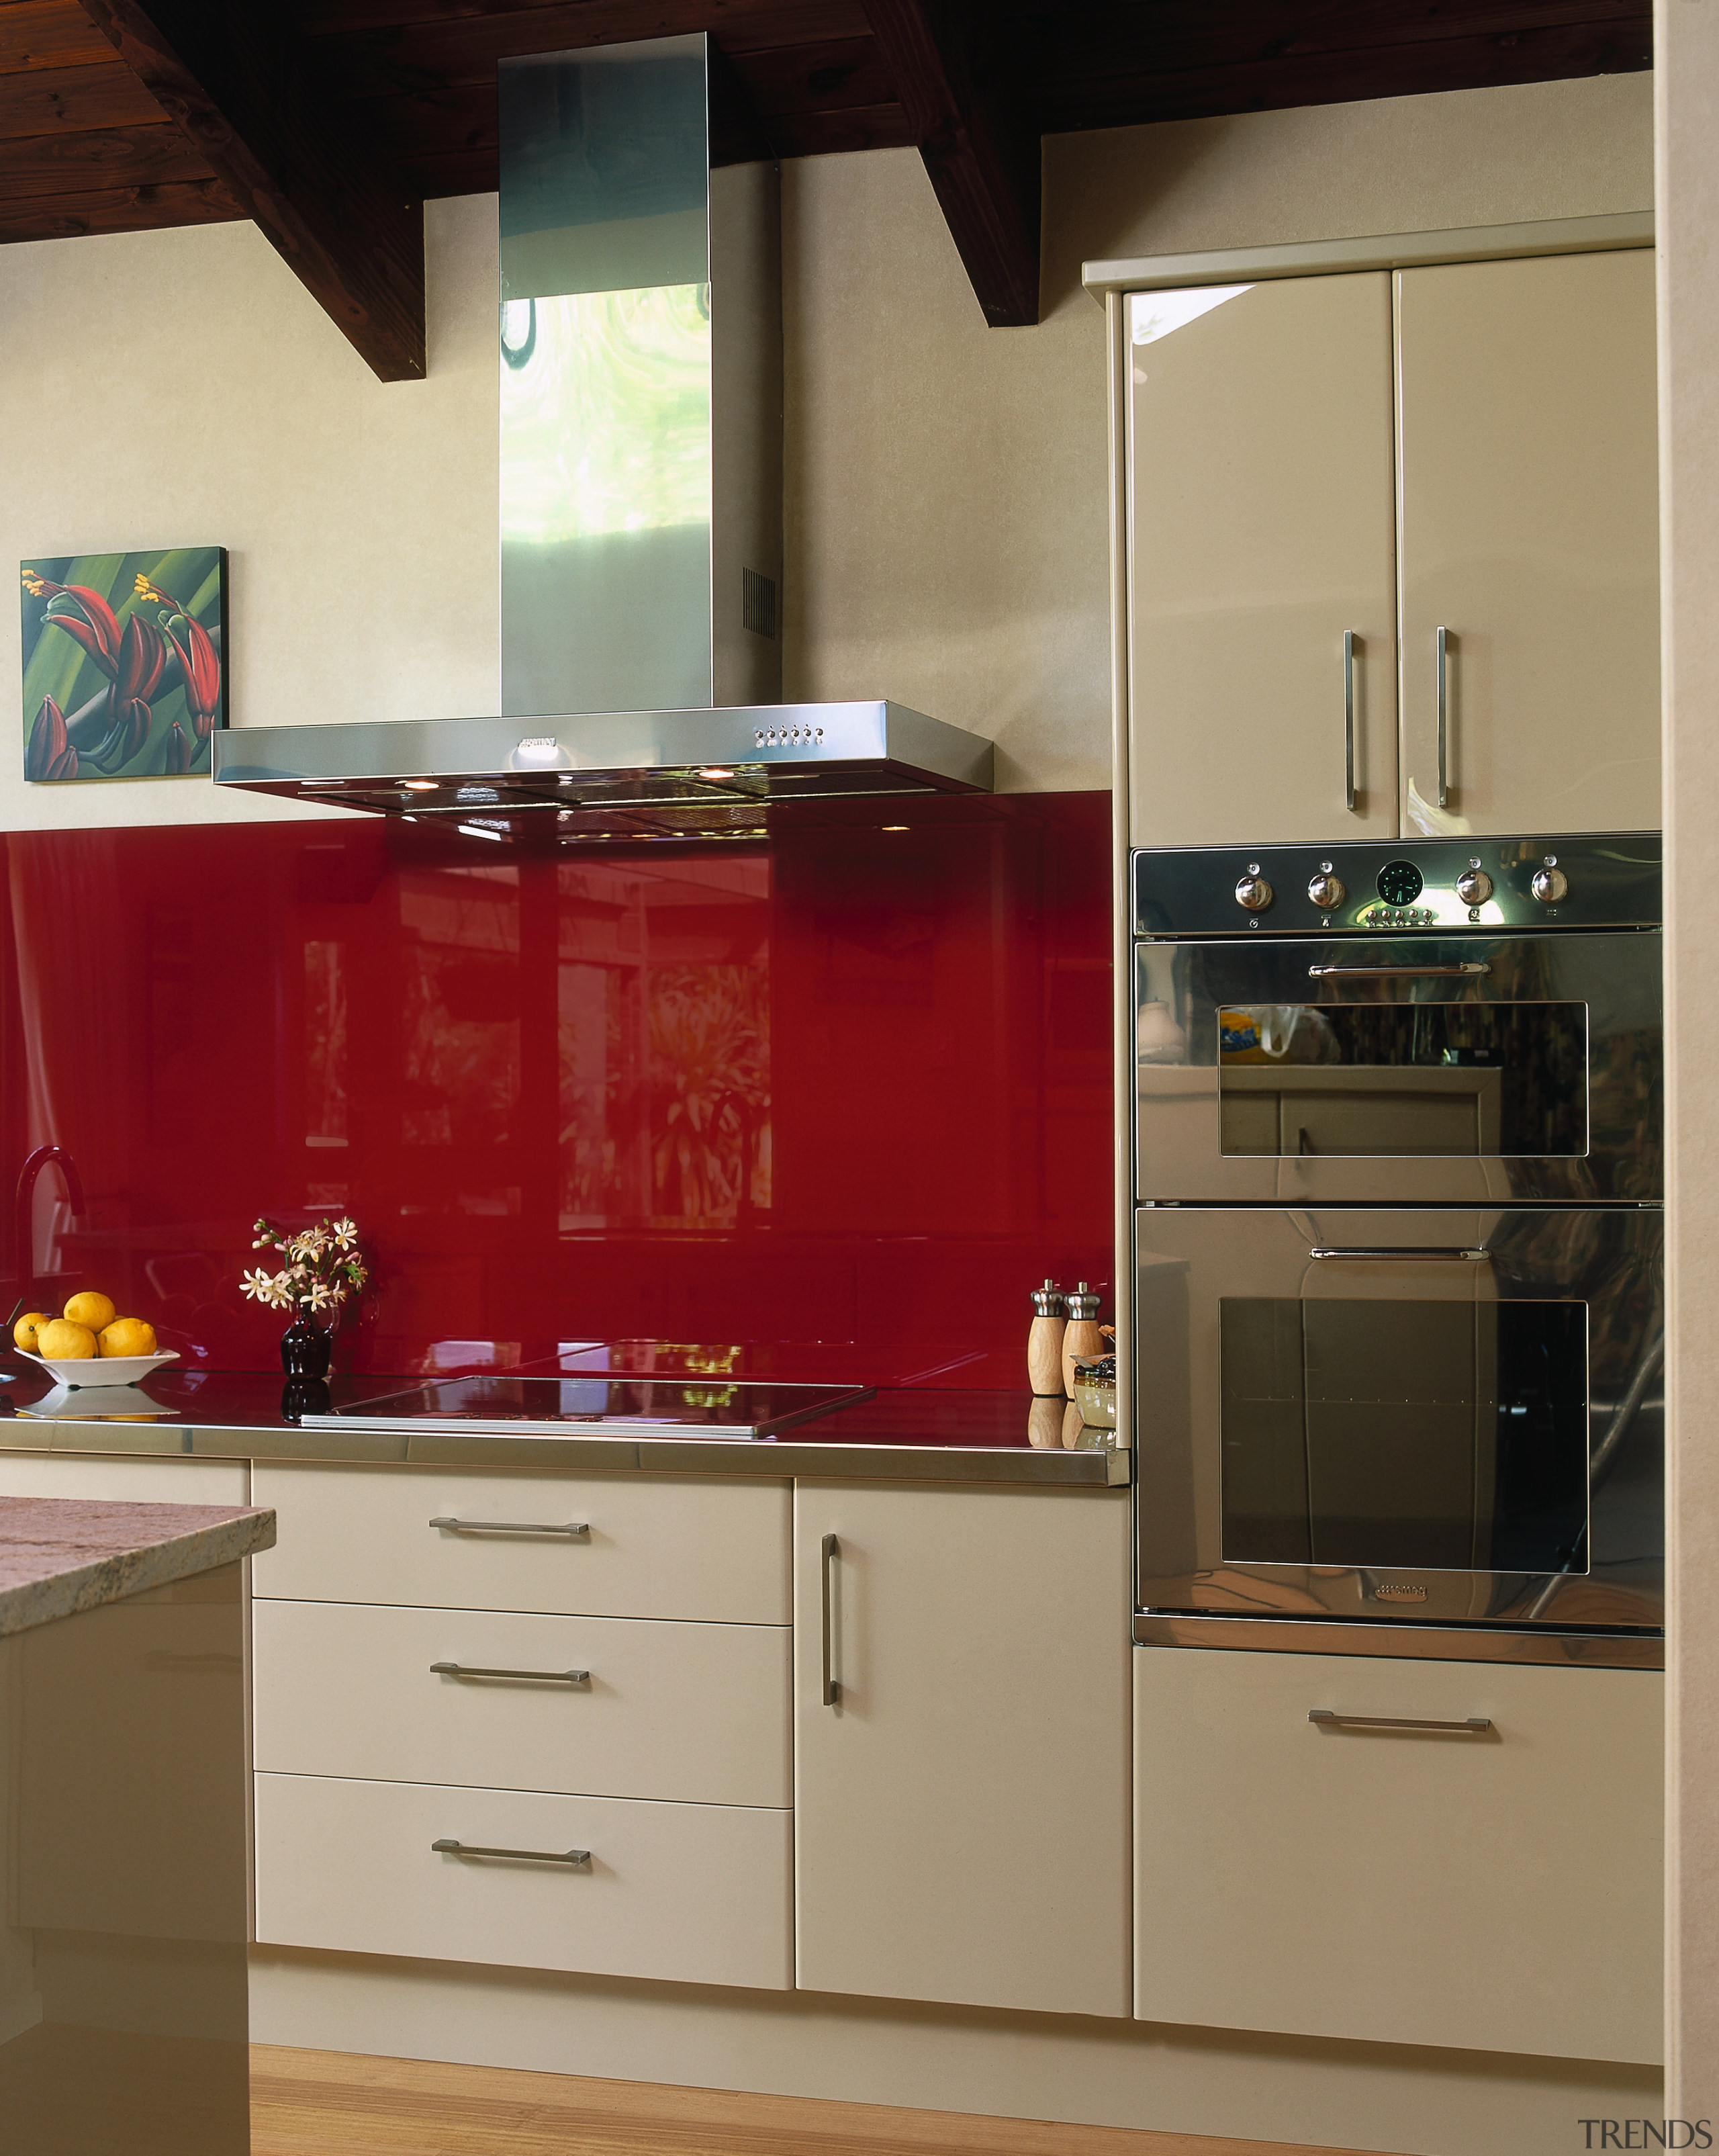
(1269, 456)
(691, 1893)
(1495, 1890)
(438, 1659)
(1261, 507)
(607, 1706)
(114, 1480)
(1526, 419)
(649, 1545)
(961, 1808)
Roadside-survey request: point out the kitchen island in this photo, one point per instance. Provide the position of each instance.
(124, 2019)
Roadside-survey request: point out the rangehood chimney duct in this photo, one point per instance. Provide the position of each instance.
(640, 369)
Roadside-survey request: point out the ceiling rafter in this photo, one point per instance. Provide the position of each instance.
(236, 82)
(979, 143)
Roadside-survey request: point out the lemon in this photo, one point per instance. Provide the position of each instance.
(23, 1333)
(127, 1336)
(62, 1341)
(91, 1310)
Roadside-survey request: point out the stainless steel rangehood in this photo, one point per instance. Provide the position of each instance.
(641, 500)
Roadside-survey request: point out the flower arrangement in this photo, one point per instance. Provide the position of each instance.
(323, 1266)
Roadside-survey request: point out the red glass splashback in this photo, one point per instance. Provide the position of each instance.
(831, 1107)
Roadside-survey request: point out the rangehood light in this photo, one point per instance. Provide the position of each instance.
(418, 785)
(715, 771)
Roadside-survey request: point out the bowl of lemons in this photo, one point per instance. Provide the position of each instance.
(89, 1343)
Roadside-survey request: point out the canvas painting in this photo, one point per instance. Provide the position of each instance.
(123, 663)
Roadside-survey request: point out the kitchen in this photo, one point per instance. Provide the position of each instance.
(995, 618)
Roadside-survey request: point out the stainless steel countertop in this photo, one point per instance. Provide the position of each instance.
(925, 1434)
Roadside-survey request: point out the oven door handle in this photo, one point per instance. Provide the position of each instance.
(1414, 1254)
(1462, 970)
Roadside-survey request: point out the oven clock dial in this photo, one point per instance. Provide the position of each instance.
(1400, 883)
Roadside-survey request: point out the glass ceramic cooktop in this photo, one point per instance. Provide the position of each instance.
(568, 1406)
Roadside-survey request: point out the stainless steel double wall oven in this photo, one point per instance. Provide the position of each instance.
(1400, 1318)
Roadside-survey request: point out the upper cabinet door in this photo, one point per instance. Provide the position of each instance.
(1261, 535)
(1529, 534)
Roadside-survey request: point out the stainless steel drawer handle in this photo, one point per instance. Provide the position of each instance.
(1444, 716)
(448, 1847)
(1476, 1725)
(831, 1550)
(1349, 719)
(537, 1676)
(1429, 1252)
(1452, 972)
(456, 1526)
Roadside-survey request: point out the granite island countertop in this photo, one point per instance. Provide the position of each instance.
(907, 1433)
(61, 1555)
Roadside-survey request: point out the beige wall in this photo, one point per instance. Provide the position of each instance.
(946, 483)
(180, 388)
(1687, 39)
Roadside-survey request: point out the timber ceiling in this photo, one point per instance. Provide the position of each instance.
(331, 122)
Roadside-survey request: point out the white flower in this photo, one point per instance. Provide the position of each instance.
(344, 1234)
(320, 1295)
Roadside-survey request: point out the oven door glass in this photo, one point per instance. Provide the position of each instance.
(1448, 1434)
(1452, 1414)
(1449, 1069)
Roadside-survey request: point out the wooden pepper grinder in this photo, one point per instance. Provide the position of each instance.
(1081, 1341)
(1045, 1340)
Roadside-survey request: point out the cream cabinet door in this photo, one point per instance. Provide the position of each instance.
(961, 1822)
(1491, 1890)
(1261, 515)
(1529, 532)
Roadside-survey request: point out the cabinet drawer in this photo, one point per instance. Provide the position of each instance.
(656, 1545)
(696, 1714)
(684, 1893)
(106, 1478)
(1499, 1891)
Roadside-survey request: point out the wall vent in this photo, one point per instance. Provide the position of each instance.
(757, 602)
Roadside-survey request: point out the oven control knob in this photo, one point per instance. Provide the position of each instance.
(1549, 886)
(1326, 890)
(1253, 891)
(1474, 886)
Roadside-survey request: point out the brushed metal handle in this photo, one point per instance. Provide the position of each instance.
(457, 1527)
(832, 1550)
(1476, 1726)
(1457, 970)
(537, 1676)
(1415, 1254)
(1349, 719)
(450, 1847)
(1444, 712)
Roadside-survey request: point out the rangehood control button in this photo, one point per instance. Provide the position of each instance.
(1326, 890)
(1474, 886)
(1550, 885)
(1253, 891)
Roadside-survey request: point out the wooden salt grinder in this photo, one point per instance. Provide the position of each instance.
(1082, 1340)
(1045, 1340)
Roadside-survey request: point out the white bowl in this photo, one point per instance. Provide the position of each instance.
(100, 1369)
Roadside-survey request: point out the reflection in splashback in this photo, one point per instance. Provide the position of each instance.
(817, 1110)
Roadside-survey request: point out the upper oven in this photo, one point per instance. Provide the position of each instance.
(1421, 1023)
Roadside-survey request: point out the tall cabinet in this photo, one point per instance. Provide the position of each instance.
(1326, 471)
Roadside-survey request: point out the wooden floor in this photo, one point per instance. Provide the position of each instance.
(336, 2104)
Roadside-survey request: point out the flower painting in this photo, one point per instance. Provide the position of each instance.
(124, 664)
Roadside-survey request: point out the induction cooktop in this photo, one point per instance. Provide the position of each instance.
(682, 1406)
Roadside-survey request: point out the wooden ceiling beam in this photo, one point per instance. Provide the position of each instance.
(980, 149)
(240, 88)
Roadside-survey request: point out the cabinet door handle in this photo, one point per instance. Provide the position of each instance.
(448, 1847)
(1443, 713)
(1411, 1254)
(537, 1676)
(457, 1527)
(1458, 969)
(831, 1550)
(1476, 1725)
(1349, 719)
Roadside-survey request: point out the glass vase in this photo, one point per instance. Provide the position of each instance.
(306, 1347)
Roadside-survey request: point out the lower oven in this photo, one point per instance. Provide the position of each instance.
(1391, 1429)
